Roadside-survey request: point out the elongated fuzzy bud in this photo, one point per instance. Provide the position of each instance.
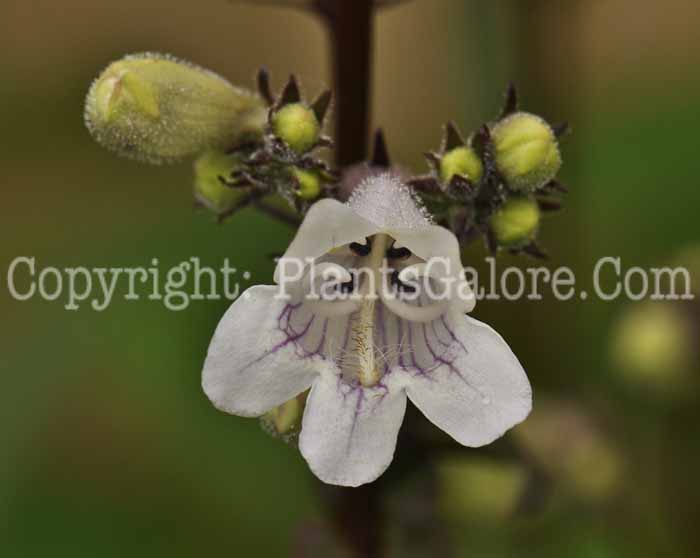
(154, 108)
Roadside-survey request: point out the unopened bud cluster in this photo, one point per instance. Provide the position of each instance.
(284, 162)
(257, 148)
(245, 145)
(496, 183)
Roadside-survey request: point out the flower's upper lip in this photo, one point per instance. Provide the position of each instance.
(327, 225)
(330, 224)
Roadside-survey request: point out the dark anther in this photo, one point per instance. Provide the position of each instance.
(399, 284)
(361, 249)
(398, 253)
(348, 286)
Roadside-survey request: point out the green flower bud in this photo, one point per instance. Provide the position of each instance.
(296, 125)
(208, 188)
(157, 109)
(526, 151)
(462, 161)
(309, 183)
(515, 223)
(653, 347)
(284, 421)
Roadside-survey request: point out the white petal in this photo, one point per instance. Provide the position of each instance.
(438, 242)
(470, 384)
(348, 434)
(327, 225)
(330, 275)
(253, 364)
(415, 313)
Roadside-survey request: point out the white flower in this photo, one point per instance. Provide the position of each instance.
(363, 355)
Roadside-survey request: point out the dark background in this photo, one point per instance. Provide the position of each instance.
(110, 447)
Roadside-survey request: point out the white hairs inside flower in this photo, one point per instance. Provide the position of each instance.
(388, 203)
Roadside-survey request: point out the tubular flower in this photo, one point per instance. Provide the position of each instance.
(375, 314)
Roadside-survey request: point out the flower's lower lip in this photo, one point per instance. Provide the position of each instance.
(458, 372)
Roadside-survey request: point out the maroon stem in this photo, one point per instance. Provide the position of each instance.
(357, 516)
(356, 512)
(350, 27)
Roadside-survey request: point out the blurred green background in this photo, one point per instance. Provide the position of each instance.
(111, 448)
